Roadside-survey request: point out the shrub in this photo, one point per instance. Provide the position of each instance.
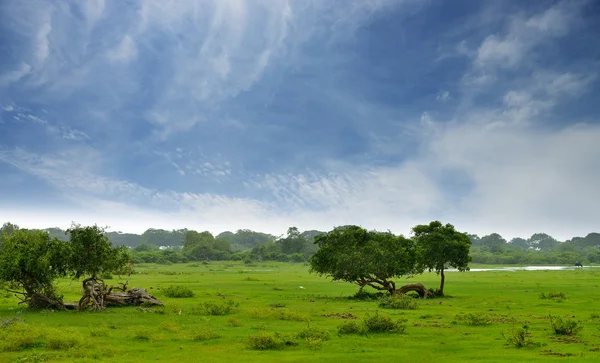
(268, 341)
(177, 291)
(169, 326)
(203, 333)
(234, 322)
(399, 302)
(564, 326)
(313, 333)
(383, 324)
(363, 295)
(473, 319)
(373, 324)
(220, 309)
(553, 295)
(16, 336)
(61, 341)
(350, 327)
(520, 337)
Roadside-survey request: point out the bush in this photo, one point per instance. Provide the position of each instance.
(203, 333)
(520, 338)
(220, 309)
(399, 302)
(313, 334)
(61, 341)
(473, 319)
(383, 324)
(363, 295)
(564, 326)
(349, 327)
(553, 295)
(373, 324)
(177, 291)
(268, 341)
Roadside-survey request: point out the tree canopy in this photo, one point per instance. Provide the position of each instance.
(441, 246)
(366, 258)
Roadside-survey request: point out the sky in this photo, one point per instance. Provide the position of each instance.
(264, 114)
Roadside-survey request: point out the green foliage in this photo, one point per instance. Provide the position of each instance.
(177, 291)
(553, 295)
(367, 258)
(374, 324)
(31, 261)
(520, 337)
(564, 326)
(224, 308)
(395, 301)
(270, 341)
(202, 333)
(441, 246)
(473, 319)
(93, 254)
(312, 333)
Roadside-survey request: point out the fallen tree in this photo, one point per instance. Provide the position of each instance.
(97, 296)
(30, 262)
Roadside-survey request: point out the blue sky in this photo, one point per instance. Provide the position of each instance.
(223, 114)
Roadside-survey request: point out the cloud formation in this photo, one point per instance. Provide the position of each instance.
(221, 115)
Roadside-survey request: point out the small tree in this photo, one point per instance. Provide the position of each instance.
(31, 261)
(441, 246)
(366, 258)
(92, 254)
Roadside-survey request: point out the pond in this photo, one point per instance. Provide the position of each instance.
(524, 268)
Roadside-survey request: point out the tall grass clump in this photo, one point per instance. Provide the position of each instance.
(177, 291)
(553, 295)
(217, 309)
(473, 319)
(564, 326)
(270, 341)
(520, 337)
(405, 302)
(373, 325)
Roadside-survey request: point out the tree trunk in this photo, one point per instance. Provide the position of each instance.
(418, 288)
(441, 292)
(97, 297)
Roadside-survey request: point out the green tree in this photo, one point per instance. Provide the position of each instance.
(294, 242)
(366, 258)
(93, 254)
(30, 261)
(441, 246)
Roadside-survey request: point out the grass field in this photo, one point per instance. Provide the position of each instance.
(267, 299)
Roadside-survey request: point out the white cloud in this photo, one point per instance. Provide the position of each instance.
(524, 34)
(126, 51)
(443, 96)
(16, 75)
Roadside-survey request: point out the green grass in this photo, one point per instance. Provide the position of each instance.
(273, 319)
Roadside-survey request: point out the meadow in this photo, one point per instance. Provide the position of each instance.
(279, 312)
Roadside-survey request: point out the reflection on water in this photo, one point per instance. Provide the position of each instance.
(524, 268)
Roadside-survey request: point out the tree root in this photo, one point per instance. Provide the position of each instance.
(96, 296)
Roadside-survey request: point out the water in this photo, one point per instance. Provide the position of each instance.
(524, 268)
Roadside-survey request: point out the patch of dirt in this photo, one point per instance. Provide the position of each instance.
(432, 325)
(341, 316)
(566, 339)
(556, 354)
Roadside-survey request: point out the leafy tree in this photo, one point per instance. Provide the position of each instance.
(93, 254)
(494, 242)
(30, 260)
(519, 242)
(441, 246)
(366, 258)
(8, 229)
(543, 241)
(293, 243)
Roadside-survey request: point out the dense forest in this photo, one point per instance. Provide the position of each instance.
(162, 246)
